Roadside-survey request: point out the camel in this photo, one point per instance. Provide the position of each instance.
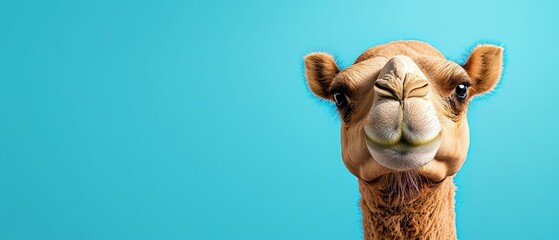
(404, 130)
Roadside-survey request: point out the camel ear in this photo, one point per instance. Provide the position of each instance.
(484, 66)
(320, 70)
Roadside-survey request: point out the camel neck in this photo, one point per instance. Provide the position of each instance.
(429, 214)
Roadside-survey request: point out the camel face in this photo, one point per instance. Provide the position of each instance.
(403, 106)
(402, 130)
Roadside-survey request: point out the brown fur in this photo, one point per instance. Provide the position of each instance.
(390, 212)
(324, 69)
(419, 203)
(484, 67)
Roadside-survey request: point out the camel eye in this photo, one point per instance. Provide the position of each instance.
(340, 99)
(462, 91)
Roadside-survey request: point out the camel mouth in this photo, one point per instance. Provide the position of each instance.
(403, 154)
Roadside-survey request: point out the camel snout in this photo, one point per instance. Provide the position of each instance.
(400, 79)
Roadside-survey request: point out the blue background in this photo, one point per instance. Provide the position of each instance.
(192, 120)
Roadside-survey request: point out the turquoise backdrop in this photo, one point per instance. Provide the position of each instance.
(191, 119)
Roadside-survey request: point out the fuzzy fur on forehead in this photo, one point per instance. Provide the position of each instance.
(367, 66)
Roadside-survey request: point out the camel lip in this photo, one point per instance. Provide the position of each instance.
(402, 143)
(403, 155)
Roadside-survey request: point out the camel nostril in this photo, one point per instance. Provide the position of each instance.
(377, 84)
(384, 89)
(419, 88)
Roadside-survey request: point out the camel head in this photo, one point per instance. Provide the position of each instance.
(403, 106)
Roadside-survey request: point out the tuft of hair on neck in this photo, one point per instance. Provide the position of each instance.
(400, 188)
